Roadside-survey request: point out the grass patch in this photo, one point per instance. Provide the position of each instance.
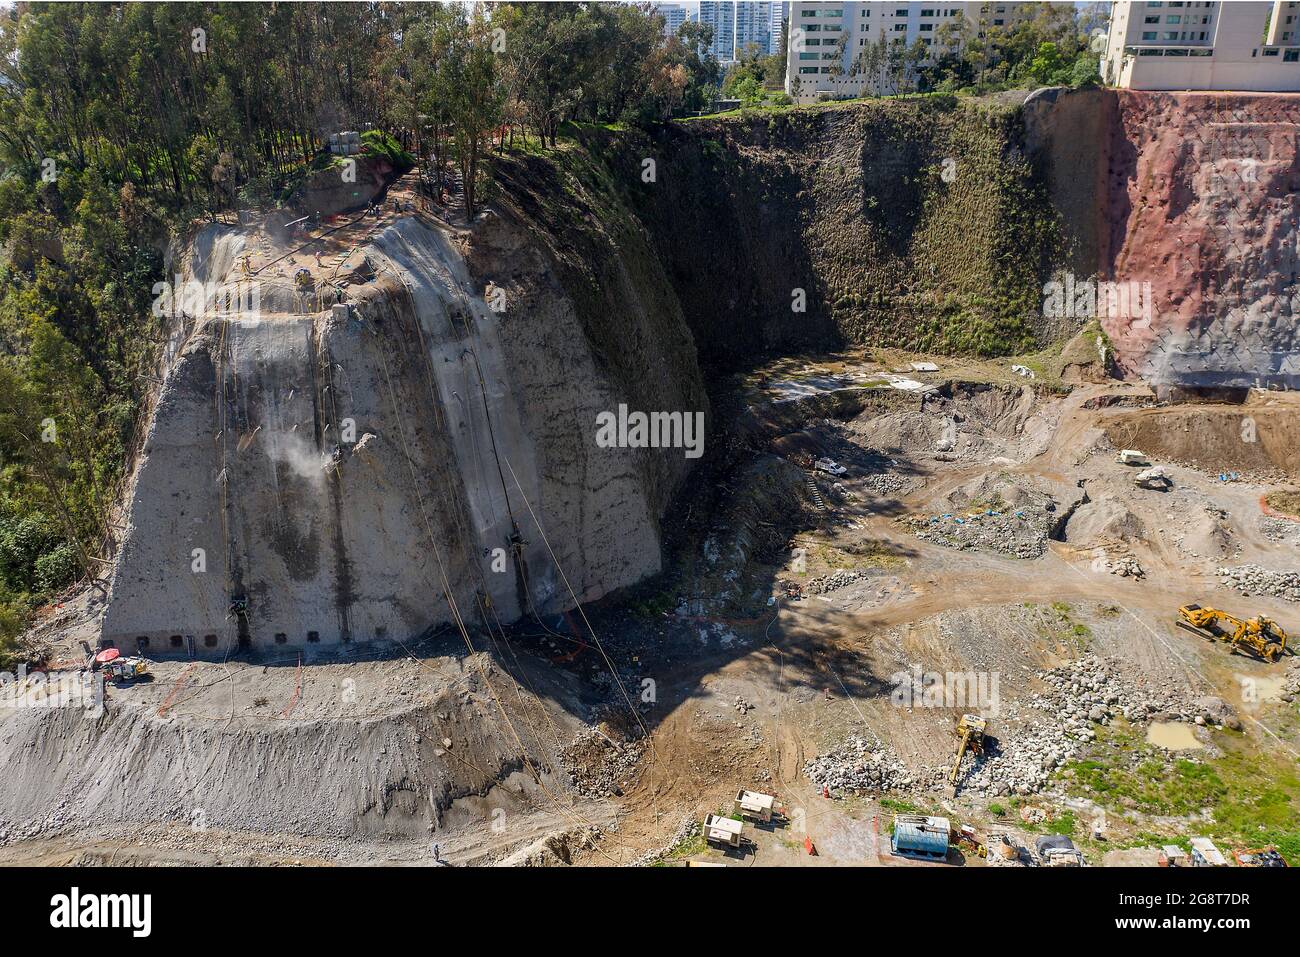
(1058, 626)
(1253, 796)
(901, 807)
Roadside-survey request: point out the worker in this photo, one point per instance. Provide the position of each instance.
(318, 263)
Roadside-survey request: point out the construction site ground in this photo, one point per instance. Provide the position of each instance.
(742, 663)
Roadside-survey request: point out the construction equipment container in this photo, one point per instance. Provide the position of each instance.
(920, 837)
(722, 831)
(754, 806)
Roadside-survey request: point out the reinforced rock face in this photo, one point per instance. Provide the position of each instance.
(1193, 198)
(322, 475)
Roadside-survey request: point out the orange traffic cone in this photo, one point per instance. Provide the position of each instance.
(808, 846)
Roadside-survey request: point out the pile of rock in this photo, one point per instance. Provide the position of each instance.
(887, 483)
(1126, 566)
(1255, 580)
(1291, 681)
(687, 828)
(1087, 691)
(1280, 530)
(1021, 533)
(833, 581)
(599, 766)
(857, 765)
(1024, 759)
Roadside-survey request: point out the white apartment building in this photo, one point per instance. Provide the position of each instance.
(826, 38)
(1241, 45)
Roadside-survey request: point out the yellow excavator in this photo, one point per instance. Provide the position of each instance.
(1262, 637)
(970, 728)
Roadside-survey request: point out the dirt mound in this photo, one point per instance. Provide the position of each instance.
(1104, 522)
(965, 420)
(411, 773)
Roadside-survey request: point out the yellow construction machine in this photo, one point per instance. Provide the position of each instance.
(970, 728)
(1262, 637)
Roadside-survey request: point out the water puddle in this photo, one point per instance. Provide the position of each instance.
(1172, 736)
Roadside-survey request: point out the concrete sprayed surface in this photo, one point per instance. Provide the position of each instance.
(340, 472)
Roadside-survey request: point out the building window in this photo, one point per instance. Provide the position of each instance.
(1291, 56)
(142, 642)
(927, 27)
(209, 641)
(1271, 52)
(313, 636)
(281, 638)
(1149, 35)
(175, 641)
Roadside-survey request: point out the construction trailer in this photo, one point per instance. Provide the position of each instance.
(722, 831)
(920, 837)
(1171, 855)
(754, 806)
(1205, 854)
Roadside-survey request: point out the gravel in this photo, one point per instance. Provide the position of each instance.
(599, 766)
(1020, 533)
(1256, 580)
(1030, 743)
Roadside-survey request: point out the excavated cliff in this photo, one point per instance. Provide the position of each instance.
(366, 470)
(909, 223)
(333, 472)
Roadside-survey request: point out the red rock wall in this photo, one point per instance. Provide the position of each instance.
(1200, 200)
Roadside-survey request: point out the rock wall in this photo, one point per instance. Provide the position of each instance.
(315, 477)
(1195, 194)
(910, 223)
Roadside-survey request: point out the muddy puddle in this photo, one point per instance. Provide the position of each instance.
(1172, 736)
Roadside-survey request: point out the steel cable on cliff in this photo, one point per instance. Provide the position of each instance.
(636, 715)
(464, 537)
(460, 624)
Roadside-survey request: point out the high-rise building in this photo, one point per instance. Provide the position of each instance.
(674, 14)
(754, 28)
(825, 39)
(721, 15)
(780, 14)
(1245, 45)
